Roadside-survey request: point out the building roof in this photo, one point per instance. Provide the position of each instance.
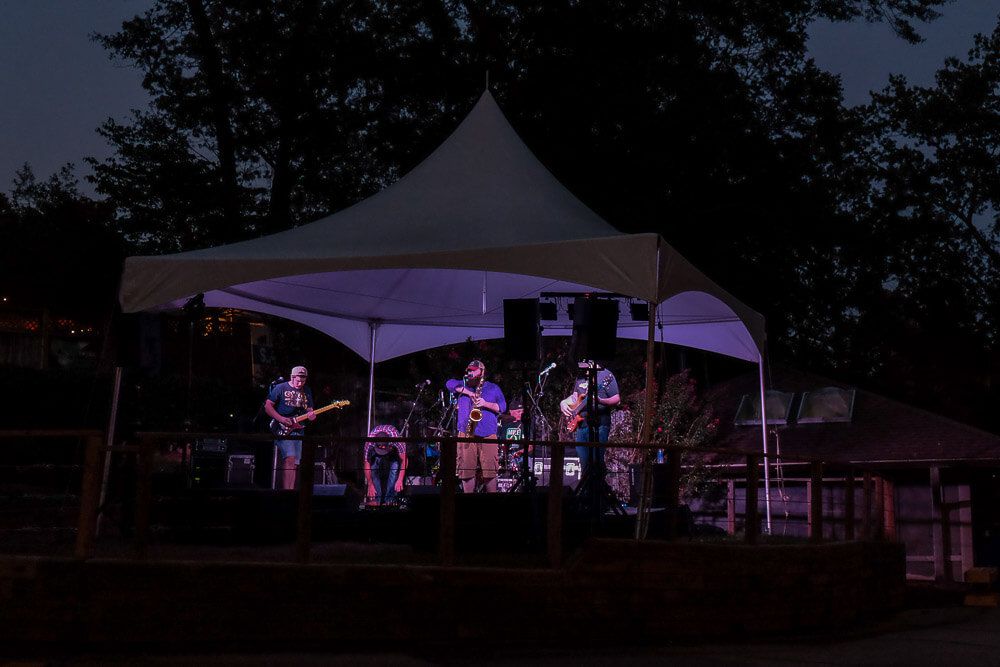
(882, 431)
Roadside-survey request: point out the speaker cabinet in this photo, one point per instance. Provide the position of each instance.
(595, 329)
(522, 333)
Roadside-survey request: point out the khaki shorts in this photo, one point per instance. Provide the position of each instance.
(483, 454)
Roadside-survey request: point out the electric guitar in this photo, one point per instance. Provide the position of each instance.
(280, 429)
(575, 419)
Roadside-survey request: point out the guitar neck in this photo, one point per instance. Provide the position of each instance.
(319, 411)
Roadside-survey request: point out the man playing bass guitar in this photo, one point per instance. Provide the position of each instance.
(574, 408)
(287, 401)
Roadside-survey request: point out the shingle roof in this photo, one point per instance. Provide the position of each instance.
(882, 430)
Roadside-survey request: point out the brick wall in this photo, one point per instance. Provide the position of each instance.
(613, 590)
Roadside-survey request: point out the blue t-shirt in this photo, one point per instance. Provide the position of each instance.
(291, 402)
(607, 386)
(491, 394)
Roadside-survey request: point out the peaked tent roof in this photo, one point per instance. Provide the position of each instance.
(431, 258)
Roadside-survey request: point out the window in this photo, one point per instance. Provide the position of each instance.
(779, 407)
(826, 405)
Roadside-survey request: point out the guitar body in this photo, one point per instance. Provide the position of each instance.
(574, 421)
(280, 430)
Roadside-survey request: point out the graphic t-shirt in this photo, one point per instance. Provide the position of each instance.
(607, 386)
(289, 401)
(512, 430)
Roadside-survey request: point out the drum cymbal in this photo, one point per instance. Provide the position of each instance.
(434, 430)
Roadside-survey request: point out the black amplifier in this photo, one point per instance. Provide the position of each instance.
(239, 471)
(210, 446)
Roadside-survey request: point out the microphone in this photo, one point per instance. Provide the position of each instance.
(547, 369)
(422, 384)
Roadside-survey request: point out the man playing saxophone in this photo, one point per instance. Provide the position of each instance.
(479, 404)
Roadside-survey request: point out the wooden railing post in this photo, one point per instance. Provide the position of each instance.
(306, 476)
(673, 491)
(555, 509)
(89, 496)
(866, 521)
(849, 505)
(816, 502)
(879, 507)
(446, 545)
(750, 521)
(143, 497)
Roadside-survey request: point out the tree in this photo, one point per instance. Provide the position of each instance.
(269, 113)
(681, 420)
(705, 122)
(59, 250)
(929, 325)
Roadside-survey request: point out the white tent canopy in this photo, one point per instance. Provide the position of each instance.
(430, 259)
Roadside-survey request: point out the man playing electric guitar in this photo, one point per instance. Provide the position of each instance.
(287, 401)
(574, 408)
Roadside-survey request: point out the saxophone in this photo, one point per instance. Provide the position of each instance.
(475, 414)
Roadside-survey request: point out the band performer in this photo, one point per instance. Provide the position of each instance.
(285, 402)
(475, 392)
(385, 466)
(574, 408)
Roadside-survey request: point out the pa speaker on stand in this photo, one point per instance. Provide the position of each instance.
(595, 329)
(522, 333)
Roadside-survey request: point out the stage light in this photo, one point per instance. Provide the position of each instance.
(639, 311)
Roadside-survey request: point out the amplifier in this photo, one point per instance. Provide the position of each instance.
(571, 470)
(211, 445)
(207, 470)
(239, 471)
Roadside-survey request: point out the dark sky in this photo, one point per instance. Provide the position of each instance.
(56, 86)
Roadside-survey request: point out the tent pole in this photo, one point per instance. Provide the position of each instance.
(646, 490)
(109, 443)
(763, 437)
(373, 326)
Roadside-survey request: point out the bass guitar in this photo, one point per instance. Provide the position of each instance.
(575, 418)
(280, 429)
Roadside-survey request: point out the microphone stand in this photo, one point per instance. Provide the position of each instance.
(406, 423)
(405, 432)
(444, 426)
(534, 416)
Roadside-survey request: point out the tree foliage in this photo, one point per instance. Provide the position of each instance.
(59, 249)
(866, 236)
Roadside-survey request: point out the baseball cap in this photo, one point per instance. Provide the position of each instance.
(475, 363)
(300, 370)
